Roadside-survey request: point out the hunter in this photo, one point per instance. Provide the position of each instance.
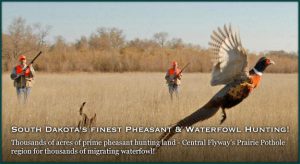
(23, 79)
(173, 78)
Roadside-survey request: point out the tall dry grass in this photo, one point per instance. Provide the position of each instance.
(131, 59)
(141, 99)
(155, 59)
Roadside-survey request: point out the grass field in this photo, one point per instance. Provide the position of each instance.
(141, 99)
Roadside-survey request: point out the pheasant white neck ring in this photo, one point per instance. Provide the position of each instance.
(257, 72)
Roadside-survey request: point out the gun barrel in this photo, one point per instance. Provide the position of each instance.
(33, 60)
(182, 70)
(36, 57)
(184, 67)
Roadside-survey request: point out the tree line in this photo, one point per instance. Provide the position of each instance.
(107, 50)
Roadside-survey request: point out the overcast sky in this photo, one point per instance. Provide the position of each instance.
(262, 25)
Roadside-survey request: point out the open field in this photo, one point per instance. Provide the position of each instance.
(141, 99)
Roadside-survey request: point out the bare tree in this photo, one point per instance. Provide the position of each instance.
(161, 38)
(60, 44)
(117, 38)
(142, 44)
(82, 44)
(107, 38)
(41, 33)
(94, 41)
(176, 43)
(22, 39)
(103, 38)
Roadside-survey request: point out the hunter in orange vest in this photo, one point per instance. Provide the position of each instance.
(173, 77)
(23, 77)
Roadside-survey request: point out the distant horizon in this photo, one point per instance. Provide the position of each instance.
(263, 26)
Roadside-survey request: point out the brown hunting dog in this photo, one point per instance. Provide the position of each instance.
(85, 121)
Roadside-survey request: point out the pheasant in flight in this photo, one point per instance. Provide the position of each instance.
(229, 69)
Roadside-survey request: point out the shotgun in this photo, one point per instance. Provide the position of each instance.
(177, 76)
(31, 62)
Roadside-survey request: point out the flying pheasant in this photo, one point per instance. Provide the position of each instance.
(230, 69)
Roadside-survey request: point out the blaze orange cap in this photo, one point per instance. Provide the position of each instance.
(22, 57)
(174, 63)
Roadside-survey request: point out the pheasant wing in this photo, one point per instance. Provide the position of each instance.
(230, 58)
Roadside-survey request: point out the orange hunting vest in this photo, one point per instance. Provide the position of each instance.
(19, 70)
(172, 71)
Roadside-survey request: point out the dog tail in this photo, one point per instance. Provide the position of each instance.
(81, 108)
